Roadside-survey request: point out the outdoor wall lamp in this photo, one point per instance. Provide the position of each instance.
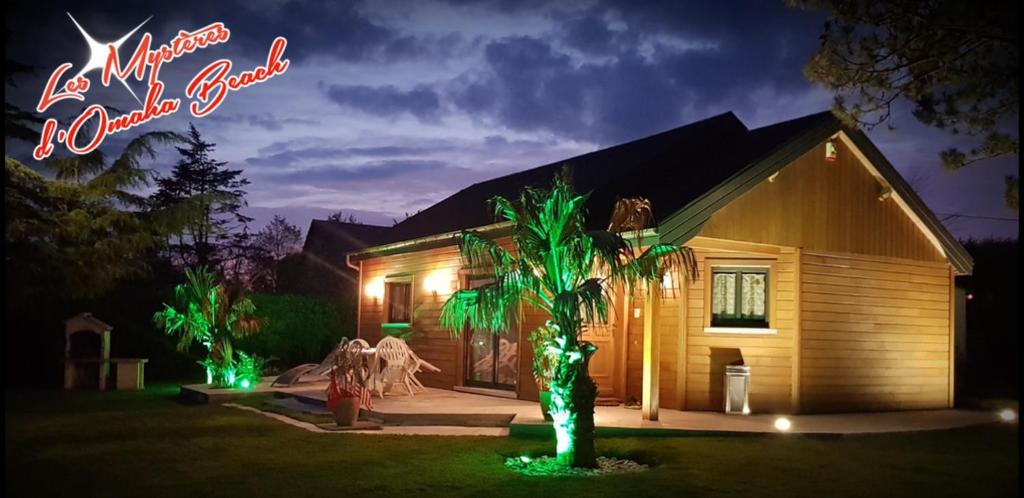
(375, 289)
(831, 154)
(438, 282)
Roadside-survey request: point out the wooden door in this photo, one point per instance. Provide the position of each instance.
(602, 364)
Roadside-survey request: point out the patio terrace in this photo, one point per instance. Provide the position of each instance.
(443, 408)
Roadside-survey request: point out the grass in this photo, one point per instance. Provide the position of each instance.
(147, 444)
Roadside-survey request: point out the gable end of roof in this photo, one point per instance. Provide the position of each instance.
(687, 222)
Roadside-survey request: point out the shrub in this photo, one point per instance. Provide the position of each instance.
(299, 329)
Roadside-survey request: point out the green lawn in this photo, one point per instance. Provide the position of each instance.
(146, 444)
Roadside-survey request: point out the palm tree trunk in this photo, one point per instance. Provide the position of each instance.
(573, 394)
(223, 356)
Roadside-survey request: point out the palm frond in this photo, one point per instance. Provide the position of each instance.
(612, 256)
(631, 214)
(489, 307)
(480, 252)
(659, 258)
(593, 300)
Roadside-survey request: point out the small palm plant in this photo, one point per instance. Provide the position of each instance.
(213, 314)
(568, 272)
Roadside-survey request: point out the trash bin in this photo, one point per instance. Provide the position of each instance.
(737, 387)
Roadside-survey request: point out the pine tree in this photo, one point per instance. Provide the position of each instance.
(954, 62)
(209, 197)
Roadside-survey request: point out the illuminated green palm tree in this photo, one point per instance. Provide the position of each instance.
(212, 314)
(567, 271)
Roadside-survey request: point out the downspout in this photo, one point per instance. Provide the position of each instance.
(359, 291)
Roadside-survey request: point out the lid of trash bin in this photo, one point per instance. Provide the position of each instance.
(737, 369)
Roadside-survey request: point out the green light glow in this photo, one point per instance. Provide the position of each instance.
(245, 384)
(559, 267)
(207, 312)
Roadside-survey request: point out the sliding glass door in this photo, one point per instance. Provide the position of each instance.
(492, 359)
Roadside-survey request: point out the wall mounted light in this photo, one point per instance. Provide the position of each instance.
(831, 154)
(438, 282)
(375, 289)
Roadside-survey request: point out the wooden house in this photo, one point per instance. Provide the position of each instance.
(820, 269)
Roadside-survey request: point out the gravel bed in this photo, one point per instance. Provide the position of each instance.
(548, 466)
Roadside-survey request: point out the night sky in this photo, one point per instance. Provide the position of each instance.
(388, 107)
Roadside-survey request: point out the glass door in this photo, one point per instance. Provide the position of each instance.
(492, 359)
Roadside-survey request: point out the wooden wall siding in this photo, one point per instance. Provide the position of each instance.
(668, 349)
(431, 342)
(875, 333)
(824, 206)
(769, 356)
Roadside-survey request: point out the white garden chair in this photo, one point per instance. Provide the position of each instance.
(396, 355)
(417, 365)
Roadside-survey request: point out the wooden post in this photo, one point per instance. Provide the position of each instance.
(359, 302)
(651, 384)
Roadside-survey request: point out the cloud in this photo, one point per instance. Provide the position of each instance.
(378, 170)
(388, 101)
(298, 151)
(388, 107)
(589, 34)
(266, 120)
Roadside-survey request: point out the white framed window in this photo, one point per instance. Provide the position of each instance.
(740, 297)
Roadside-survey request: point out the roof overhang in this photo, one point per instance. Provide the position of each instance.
(908, 200)
(428, 242)
(647, 237)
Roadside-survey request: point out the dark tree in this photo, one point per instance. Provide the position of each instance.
(19, 124)
(82, 232)
(279, 238)
(273, 244)
(955, 62)
(341, 217)
(254, 259)
(209, 198)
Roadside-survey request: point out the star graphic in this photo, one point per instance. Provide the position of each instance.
(98, 57)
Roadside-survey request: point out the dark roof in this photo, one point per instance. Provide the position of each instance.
(670, 169)
(687, 173)
(330, 241)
